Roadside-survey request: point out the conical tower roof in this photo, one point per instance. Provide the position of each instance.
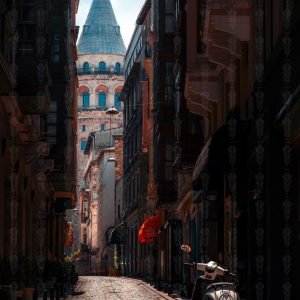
(101, 33)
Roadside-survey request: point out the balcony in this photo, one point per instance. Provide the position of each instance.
(88, 108)
(96, 71)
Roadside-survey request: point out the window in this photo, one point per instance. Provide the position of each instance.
(117, 103)
(86, 67)
(136, 187)
(113, 143)
(135, 137)
(28, 11)
(118, 68)
(102, 127)
(102, 66)
(55, 49)
(195, 124)
(102, 99)
(201, 12)
(83, 128)
(52, 123)
(169, 83)
(133, 190)
(169, 160)
(82, 145)
(84, 238)
(85, 209)
(169, 16)
(85, 99)
(136, 93)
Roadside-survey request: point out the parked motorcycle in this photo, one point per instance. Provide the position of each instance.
(208, 286)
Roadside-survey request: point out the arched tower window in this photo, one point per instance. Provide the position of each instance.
(83, 128)
(117, 103)
(102, 66)
(85, 99)
(86, 67)
(117, 68)
(102, 99)
(82, 145)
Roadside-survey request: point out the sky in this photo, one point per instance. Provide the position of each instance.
(126, 12)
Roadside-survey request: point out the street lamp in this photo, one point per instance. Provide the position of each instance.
(112, 111)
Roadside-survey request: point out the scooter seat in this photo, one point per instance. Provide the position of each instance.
(221, 284)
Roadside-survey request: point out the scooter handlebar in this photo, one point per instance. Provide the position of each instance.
(190, 264)
(201, 266)
(232, 274)
(211, 269)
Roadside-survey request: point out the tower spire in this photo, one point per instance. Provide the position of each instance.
(101, 33)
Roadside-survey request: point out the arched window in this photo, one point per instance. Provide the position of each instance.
(102, 127)
(82, 145)
(102, 66)
(117, 68)
(102, 99)
(85, 99)
(83, 128)
(117, 103)
(86, 67)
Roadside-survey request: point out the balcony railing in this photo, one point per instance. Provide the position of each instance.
(107, 71)
(102, 108)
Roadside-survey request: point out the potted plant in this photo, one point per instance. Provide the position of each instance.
(113, 271)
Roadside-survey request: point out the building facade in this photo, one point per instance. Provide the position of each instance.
(38, 128)
(99, 208)
(221, 142)
(136, 95)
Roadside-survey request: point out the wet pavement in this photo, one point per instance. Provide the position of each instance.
(113, 288)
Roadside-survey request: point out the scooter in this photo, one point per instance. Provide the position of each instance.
(207, 286)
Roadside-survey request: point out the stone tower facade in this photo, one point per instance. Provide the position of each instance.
(97, 92)
(100, 74)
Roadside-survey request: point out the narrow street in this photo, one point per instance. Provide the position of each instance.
(111, 288)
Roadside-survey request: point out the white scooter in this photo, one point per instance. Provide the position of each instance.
(206, 287)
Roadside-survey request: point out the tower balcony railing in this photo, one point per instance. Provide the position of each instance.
(97, 107)
(107, 71)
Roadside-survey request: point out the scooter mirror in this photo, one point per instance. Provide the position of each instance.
(186, 248)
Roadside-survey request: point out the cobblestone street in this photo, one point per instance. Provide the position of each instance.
(113, 288)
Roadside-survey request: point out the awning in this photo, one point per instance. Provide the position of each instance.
(118, 235)
(149, 230)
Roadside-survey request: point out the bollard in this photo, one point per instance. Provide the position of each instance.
(35, 295)
(51, 294)
(57, 293)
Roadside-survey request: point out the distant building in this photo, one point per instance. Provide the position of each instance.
(138, 183)
(100, 72)
(98, 207)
